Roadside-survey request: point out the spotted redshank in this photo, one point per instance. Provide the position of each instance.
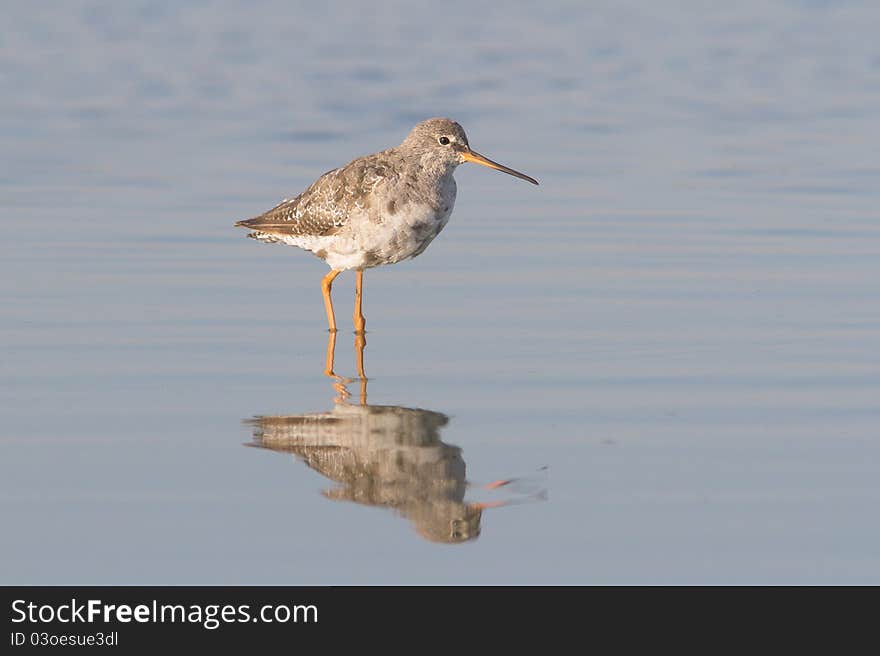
(379, 209)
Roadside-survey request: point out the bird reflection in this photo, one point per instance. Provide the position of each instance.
(381, 455)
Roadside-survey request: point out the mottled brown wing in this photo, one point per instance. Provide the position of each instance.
(328, 204)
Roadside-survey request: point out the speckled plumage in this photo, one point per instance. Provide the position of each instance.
(375, 210)
(378, 209)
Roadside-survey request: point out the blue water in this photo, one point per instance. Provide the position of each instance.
(672, 344)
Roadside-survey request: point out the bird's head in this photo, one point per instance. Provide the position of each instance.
(445, 143)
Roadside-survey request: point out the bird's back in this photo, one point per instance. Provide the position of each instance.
(376, 210)
(328, 204)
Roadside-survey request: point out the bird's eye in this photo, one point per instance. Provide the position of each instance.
(443, 141)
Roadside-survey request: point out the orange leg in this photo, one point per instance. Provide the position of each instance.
(326, 287)
(360, 341)
(331, 352)
(359, 321)
(339, 383)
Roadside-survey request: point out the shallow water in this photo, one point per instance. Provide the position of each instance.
(670, 347)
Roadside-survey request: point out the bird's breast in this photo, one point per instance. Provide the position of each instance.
(403, 233)
(417, 223)
(398, 225)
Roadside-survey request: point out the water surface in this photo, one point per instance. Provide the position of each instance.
(672, 344)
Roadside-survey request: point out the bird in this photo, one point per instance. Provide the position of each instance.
(376, 210)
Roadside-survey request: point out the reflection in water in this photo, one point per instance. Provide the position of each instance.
(380, 455)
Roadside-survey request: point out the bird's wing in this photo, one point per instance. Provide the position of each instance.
(328, 204)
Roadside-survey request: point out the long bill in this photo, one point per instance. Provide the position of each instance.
(475, 157)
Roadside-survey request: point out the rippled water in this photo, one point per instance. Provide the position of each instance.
(668, 351)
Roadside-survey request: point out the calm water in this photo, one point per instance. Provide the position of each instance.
(672, 346)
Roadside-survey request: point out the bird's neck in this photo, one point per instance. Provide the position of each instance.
(434, 169)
